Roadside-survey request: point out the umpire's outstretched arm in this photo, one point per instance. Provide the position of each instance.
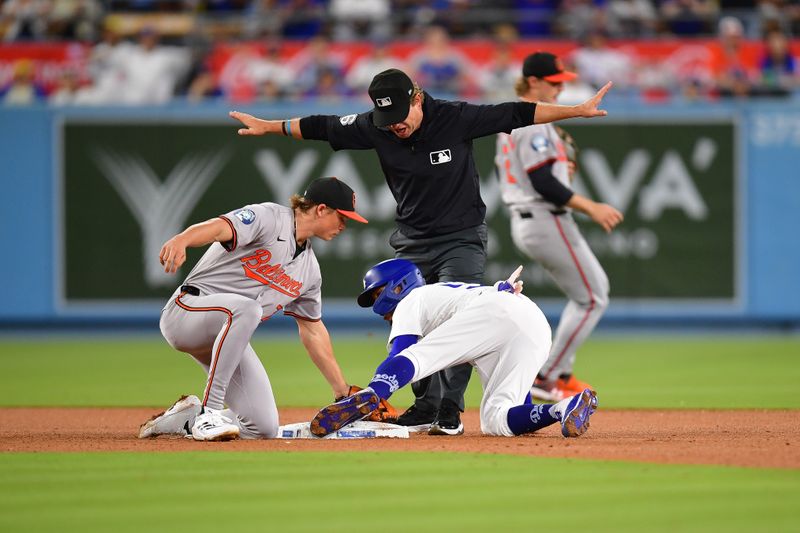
(544, 113)
(258, 126)
(553, 112)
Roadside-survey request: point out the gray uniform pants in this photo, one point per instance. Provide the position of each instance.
(458, 256)
(555, 242)
(215, 330)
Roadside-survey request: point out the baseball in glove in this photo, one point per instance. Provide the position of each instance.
(571, 149)
(384, 413)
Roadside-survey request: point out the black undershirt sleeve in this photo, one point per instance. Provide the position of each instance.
(314, 127)
(548, 186)
(523, 113)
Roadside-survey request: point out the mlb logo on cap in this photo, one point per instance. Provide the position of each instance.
(391, 91)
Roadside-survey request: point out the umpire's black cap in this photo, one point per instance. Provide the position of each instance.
(391, 92)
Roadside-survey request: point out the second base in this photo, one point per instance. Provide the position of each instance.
(356, 430)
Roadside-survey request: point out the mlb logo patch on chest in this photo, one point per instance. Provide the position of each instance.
(442, 156)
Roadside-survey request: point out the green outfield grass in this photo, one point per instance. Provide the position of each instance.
(441, 492)
(207, 491)
(659, 371)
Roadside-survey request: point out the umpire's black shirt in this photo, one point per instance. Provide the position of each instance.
(431, 174)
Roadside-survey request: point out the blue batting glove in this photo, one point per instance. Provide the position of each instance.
(504, 286)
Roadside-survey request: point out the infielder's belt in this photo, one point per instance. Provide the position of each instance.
(528, 214)
(189, 289)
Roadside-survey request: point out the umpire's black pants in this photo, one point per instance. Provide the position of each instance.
(458, 256)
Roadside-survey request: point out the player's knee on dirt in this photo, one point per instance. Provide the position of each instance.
(494, 421)
(252, 431)
(261, 426)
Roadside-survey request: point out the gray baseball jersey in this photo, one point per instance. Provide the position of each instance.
(259, 263)
(525, 150)
(548, 234)
(504, 336)
(232, 289)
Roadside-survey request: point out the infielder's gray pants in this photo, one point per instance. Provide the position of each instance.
(215, 329)
(556, 243)
(458, 256)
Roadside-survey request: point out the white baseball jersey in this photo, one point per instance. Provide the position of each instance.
(522, 151)
(422, 311)
(259, 263)
(504, 336)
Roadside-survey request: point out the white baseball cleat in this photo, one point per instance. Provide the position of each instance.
(174, 421)
(211, 425)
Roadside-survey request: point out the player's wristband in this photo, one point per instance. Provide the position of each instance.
(288, 127)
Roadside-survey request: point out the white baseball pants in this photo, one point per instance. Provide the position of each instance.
(505, 337)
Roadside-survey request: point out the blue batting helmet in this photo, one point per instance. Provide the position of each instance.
(392, 273)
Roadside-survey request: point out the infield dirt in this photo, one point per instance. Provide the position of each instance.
(751, 438)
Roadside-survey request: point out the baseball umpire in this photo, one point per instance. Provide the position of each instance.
(535, 166)
(425, 150)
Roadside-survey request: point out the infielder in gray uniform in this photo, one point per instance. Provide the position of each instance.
(260, 262)
(535, 168)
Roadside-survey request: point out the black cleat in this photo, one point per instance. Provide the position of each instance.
(448, 420)
(418, 417)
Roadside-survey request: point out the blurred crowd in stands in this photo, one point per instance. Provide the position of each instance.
(138, 52)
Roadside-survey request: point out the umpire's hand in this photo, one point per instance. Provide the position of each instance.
(589, 108)
(255, 126)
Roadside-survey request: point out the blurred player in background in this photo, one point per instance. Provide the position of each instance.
(260, 262)
(535, 165)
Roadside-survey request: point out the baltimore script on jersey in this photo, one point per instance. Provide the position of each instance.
(258, 267)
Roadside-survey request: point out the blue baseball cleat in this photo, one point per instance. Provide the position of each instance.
(575, 420)
(344, 412)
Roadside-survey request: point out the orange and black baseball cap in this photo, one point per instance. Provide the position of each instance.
(546, 66)
(335, 194)
(391, 92)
